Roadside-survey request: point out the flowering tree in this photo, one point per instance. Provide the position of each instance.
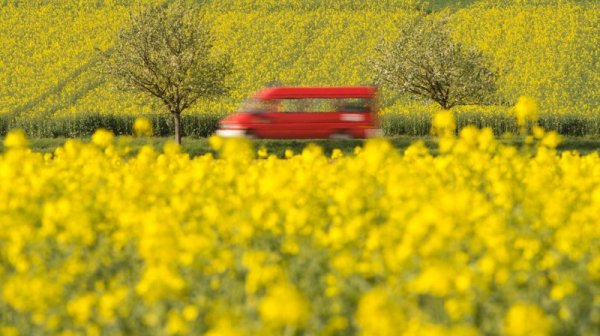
(166, 52)
(425, 62)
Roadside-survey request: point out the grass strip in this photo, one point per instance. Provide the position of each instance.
(200, 146)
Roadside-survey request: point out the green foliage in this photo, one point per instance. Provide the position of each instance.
(419, 123)
(84, 125)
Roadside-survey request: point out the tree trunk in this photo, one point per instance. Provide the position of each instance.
(177, 120)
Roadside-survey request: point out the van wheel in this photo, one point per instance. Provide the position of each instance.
(340, 135)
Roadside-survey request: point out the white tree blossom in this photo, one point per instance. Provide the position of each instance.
(425, 62)
(167, 52)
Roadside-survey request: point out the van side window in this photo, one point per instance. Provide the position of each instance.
(307, 105)
(353, 105)
(291, 105)
(321, 105)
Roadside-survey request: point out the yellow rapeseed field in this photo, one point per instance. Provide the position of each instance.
(547, 49)
(482, 238)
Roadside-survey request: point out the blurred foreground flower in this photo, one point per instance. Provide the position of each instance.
(526, 319)
(377, 314)
(142, 127)
(16, 139)
(526, 109)
(551, 140)
(284, 305)
(444, 123)
(103, 137)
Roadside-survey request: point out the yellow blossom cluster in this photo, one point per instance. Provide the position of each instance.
(481, 238)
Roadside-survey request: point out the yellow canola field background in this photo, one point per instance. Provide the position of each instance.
(546, 49)
(481, 239)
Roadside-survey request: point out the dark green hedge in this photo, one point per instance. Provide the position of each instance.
(412, 124)
(85, 124)
(418, 124)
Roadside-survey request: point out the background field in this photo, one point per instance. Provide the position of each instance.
(546, 49)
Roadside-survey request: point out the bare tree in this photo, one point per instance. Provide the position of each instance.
(425, 62)
(167, 52)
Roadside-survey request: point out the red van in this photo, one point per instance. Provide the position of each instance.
(306, 113)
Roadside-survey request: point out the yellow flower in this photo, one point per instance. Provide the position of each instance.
(190, 313)
(142, 127)
(289, 153)
(524, 319)
(551, 140)
(216, 142)
(171, 148)
(312, 152)
(377, 315)
(9, 331)
(560, 290)
(457, 309)
(416, 149)
(526, 110)
(444, 123)
(81, 307)
(283, 306)
(336, 153)
(16, 139)
(538, 132)
(103, 137)
(593, 267)
(262, 152)
(224, 327)
(176, 325)
(435, 280)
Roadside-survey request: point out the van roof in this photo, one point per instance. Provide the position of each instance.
(316, 92)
